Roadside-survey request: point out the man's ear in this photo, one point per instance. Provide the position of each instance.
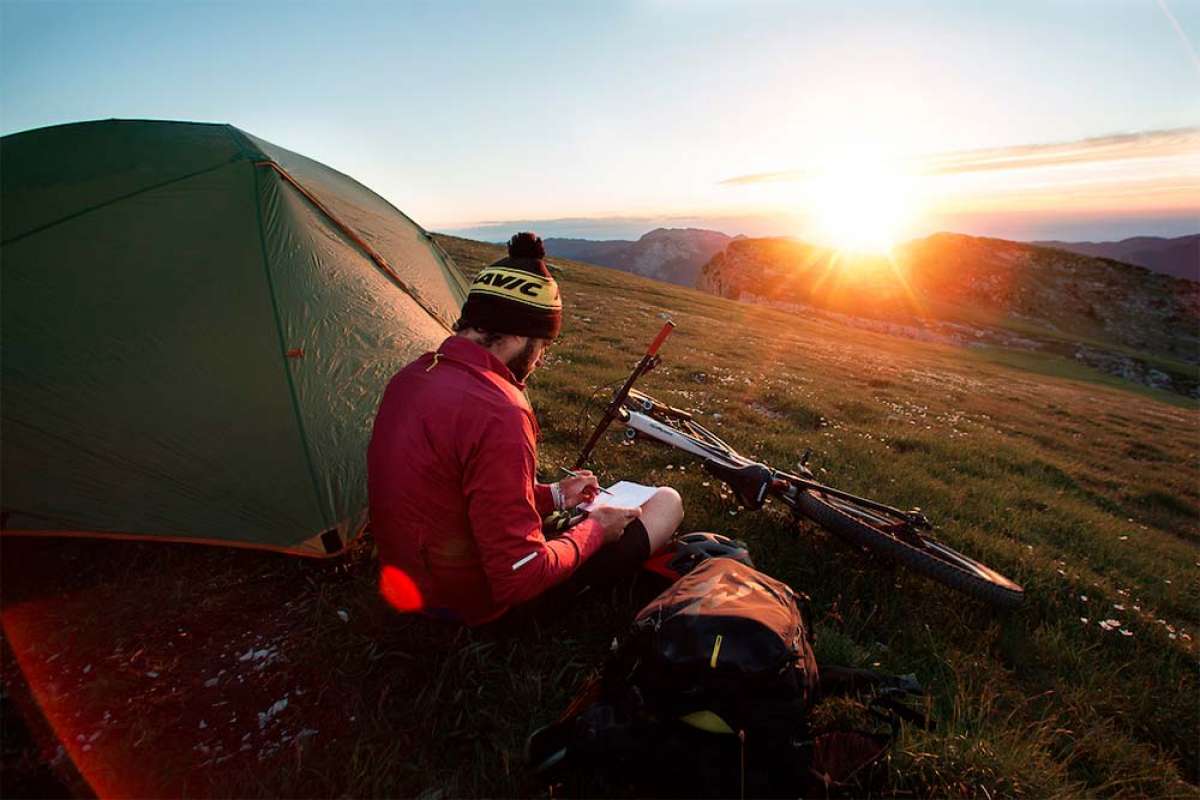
(510, 344)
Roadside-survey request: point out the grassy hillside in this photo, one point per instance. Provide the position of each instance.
(1059, 300)
(1087, 494)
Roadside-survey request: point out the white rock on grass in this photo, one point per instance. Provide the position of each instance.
(265, 716)
(263, 655)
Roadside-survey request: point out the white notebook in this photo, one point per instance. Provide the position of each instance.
(622, 494)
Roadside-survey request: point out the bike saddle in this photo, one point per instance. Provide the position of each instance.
(750, 483)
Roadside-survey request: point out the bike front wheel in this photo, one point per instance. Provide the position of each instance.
(867, 528)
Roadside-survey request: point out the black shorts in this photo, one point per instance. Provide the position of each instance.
(611, 563)
(614, 561)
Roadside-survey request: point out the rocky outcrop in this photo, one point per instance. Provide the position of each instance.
(675, 255)
(1139, 370)
(996, 291)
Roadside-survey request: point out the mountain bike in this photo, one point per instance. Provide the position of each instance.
(903, 536)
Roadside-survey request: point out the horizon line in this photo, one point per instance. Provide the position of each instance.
(802, 239)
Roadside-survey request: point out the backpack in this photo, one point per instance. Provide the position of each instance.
(724, 639)
(709, 695)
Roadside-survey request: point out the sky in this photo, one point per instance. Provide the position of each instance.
(848, 122)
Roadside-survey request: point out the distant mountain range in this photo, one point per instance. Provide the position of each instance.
(675, 255)
(1179, 256)
(1118, 306)
(972, 290)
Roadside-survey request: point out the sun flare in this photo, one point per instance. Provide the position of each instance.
(862, 207)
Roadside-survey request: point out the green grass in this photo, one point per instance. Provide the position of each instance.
(1069, 483)
(1062, 367)
(1061, 340)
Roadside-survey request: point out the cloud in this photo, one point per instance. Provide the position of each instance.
(1116, 147)
(784, 176)
(1119, 147)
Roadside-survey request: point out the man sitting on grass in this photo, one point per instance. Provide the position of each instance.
(456, 508)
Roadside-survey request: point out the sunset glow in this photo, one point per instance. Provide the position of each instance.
(862, 206)
(1002, 129)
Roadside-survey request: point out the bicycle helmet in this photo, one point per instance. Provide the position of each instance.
(686, 552)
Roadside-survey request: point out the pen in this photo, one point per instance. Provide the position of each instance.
(576, 475)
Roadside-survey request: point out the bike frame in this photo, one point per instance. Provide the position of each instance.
(646, 425)
(865, 523)
(715, 449)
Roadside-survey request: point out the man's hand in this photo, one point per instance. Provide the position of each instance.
(613, 520)
(582, 488)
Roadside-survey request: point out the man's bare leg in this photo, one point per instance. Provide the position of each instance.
(661, 515)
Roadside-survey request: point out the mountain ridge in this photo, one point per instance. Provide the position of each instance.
(976, 291)
(674, 255)
(1178, 256)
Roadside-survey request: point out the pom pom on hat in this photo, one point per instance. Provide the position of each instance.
(526, 245)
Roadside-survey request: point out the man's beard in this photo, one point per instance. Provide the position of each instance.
(522, 363)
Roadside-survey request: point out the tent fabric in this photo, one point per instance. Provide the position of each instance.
(192, 348)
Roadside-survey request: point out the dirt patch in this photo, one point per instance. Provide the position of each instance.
(769, 413)
(147, 698)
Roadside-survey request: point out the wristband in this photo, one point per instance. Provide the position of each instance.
(556, 494)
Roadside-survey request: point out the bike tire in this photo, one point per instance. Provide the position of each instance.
(966, 575)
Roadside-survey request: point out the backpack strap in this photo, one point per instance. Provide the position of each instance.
(885, 693)
(839, 681)
(888, 707)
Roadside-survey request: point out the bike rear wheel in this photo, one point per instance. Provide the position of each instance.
(863, 527)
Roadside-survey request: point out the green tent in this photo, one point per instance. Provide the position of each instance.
(197, 327)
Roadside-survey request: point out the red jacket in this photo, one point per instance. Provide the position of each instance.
(455, 507)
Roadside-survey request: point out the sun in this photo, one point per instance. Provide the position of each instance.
(862, 207)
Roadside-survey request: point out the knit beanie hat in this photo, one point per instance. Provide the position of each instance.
(516, 295)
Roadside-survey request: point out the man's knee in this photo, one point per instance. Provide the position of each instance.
(661, 515)
(669, 500)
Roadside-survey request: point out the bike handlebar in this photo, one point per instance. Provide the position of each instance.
(662, 337)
